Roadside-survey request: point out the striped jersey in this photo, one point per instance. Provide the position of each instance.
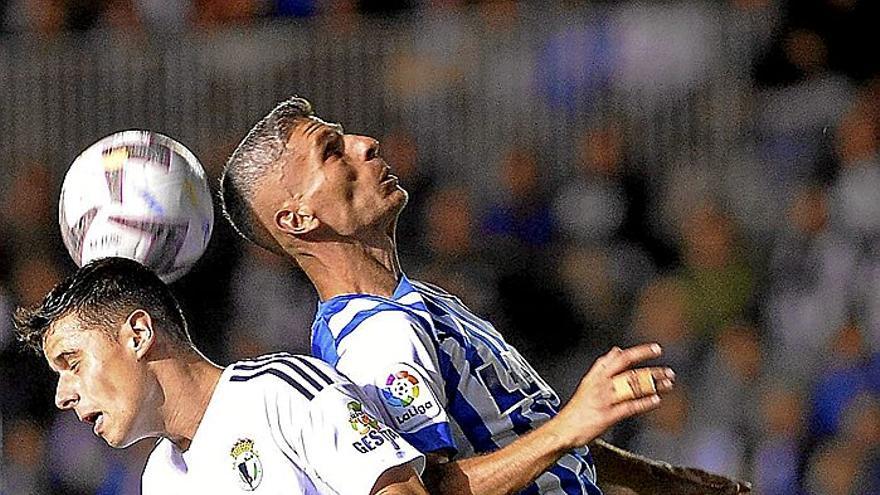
(442, 377)
(280, 424)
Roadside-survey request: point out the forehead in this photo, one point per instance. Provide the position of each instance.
(68, 334)
(309, 131)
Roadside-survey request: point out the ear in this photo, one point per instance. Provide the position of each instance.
(296, 222)
(139, 333)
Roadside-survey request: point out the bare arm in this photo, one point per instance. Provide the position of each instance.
(591, 410)
(504, 471)
(399, 480)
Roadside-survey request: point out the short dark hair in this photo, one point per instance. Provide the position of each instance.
(249, 164)
(101, 294)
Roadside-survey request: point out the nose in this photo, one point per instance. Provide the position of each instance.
(364, 148)
(66, 396)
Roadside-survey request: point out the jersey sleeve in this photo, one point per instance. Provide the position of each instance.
(342, 443)
(391, 357)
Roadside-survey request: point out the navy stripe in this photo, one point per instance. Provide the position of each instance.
(280, 374)
(441, 315)
(266, 357)
(462, 411)
(449, 303)
(531, 489)
(432, 438)
(360, 316)
(323, 345)
(305, 376)
(521, 424)
(310, 365)
(334, 306)
(572, 483)
(482, 328)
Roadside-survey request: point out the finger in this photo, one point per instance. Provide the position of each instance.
(602, 362)
(623, 359)
(664, 378)
(633, 384)
(664, 386)
(633, 407)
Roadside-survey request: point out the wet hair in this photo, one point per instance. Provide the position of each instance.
(250, 163)
(101, 295)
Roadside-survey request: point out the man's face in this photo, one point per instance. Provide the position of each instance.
(100, 379)
(342, 179)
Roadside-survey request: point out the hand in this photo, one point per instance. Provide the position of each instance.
(595, 406)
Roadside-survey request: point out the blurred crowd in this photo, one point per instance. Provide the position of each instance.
(52, 18)
(759, 275)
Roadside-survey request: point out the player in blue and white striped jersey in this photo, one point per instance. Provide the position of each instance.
(444, 378)
(447, 380)
(276, 424)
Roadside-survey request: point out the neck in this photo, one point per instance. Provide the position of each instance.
(188, 383)
(353, 267)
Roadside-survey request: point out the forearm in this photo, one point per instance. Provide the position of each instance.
(501, 472)
(400, 480)
(596, 405)
(409, 487)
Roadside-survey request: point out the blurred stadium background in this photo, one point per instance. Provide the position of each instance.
(703, 174)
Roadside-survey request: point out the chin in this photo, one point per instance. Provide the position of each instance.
(115, 442)
(116, 439)
(399, 198)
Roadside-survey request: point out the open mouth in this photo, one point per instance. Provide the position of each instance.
(387, 176)
(96, 419)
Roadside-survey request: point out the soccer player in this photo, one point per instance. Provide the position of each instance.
(445, 378)
(277, 424)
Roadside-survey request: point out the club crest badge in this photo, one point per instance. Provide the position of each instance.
(361, 421)
(246, 464)
(372, 434)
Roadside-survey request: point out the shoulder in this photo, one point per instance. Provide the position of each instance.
(383, 334)
(282, 376)
(363, 320)
(356, 311)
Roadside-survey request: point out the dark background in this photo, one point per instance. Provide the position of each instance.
(701, 174)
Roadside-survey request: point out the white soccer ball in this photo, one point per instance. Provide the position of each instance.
(137, 195)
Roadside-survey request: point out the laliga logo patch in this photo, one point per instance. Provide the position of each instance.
(413, 406)
(246, 464)
(401, 389)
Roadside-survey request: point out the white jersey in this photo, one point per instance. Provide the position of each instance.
(277, 424)
(443, 377)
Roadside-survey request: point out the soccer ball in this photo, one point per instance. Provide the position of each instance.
(137, 195)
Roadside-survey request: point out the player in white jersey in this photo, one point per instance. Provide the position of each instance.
(299, 187)
(277, 424)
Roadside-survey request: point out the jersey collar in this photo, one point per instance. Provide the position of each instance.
(336, 303)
